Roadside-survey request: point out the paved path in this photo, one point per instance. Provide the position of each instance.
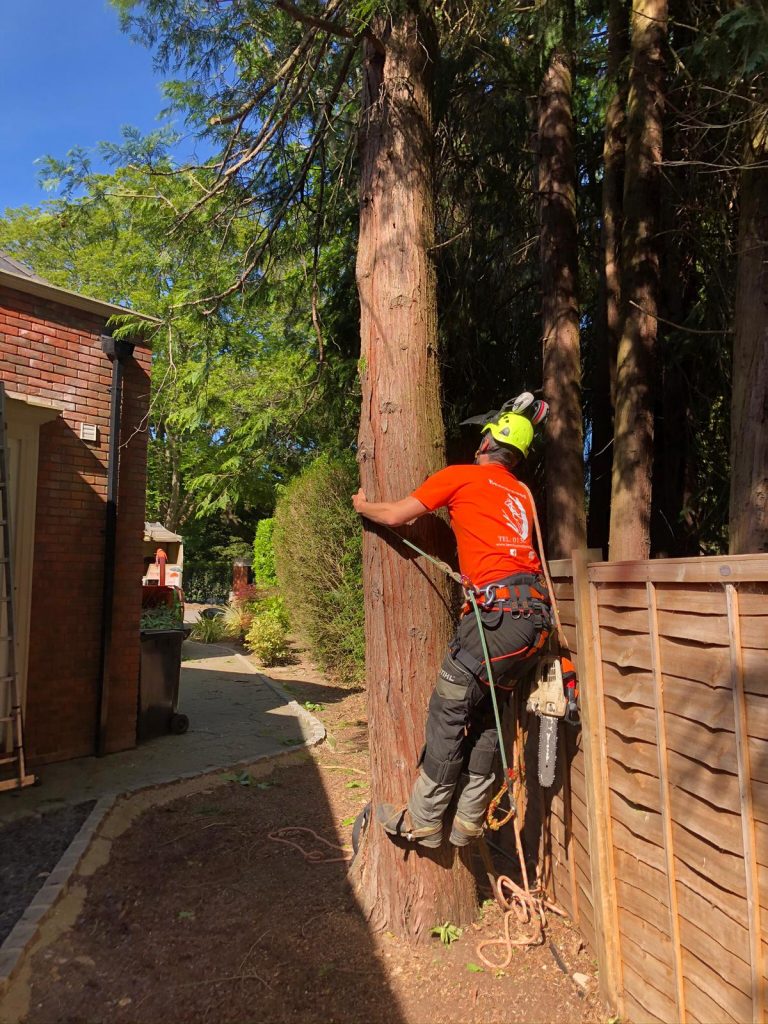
(236, 715)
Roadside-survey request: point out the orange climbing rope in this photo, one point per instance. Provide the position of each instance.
(282, 835)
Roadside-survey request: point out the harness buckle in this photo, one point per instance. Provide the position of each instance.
(490, 595)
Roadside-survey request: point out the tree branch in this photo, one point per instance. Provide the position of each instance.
(328, 26)
(312, 19)
(678, 327)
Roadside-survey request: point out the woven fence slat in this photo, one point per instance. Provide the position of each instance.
(662, 832)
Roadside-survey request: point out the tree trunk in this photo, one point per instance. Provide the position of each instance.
(610, 313)
(633, 419)
(173, 513)
(561, 369)
(748, 518)
(401, 441)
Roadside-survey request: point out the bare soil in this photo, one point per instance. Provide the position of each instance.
(198, 916)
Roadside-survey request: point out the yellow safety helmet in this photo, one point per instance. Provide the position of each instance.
(511, 430)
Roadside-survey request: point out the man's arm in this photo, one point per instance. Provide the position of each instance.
(389, 513)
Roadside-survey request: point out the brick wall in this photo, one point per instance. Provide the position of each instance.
(52, 351)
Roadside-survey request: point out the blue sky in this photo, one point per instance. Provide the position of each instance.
(68, 77)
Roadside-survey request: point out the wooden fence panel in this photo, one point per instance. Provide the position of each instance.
(665, 800)
(570, 872)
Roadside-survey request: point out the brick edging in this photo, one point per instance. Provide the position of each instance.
(25, 931)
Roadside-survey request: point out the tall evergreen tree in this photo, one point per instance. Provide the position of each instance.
(401, 441)
(561, 361)
(609, 314)
(633, 418)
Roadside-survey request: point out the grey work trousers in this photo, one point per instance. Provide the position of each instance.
(461, 737)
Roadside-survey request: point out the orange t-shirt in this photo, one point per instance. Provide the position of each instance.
(492, 518)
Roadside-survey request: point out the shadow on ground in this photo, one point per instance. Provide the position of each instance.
(236, 714)
(200, 917)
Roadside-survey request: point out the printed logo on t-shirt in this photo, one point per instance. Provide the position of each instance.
(513, 513)
(514, 516)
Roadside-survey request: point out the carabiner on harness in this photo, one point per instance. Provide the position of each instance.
(493, 822)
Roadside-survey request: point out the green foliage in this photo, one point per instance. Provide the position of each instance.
(274, 605)
(210, 630)
(238, 389)
(264, 554)
(254, 358)
(237, 619)
(161, 618)
(267, 639)
(736, 46)
(208, 582)
(446, 932)
(318, 551)
(241, 778)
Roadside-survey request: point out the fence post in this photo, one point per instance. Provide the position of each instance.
(596, 777)
(751, 868)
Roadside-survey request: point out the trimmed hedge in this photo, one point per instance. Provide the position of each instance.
(318, 556)
(264, 554)
(207, 582)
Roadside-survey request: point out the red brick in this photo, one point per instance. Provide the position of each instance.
(57, 354)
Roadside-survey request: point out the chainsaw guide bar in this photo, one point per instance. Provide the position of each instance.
(547, 700)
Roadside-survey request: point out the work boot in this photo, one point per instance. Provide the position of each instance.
(474, 793)
(399, 824)
(464, 832)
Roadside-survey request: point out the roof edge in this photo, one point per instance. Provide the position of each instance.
(44, 290)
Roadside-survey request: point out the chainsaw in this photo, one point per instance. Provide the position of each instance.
(553, 696)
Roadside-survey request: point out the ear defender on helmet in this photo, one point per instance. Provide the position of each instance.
(512, 425)
(511, 430)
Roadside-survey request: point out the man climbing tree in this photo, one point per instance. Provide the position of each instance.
(401, 440)
(492, 517)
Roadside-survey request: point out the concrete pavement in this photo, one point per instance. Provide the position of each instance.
(236, 713)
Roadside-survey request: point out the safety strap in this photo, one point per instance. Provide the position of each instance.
(465, 658)
(555, 610)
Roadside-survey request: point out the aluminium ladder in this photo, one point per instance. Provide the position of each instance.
(11, 728)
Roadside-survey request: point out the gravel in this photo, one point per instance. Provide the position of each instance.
(30, 848)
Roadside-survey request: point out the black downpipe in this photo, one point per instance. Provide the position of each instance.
(118, 352)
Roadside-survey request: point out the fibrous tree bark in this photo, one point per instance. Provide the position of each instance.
(561, 361)
(401, 441)
(748, 516)
(607, 340)
(633, 417)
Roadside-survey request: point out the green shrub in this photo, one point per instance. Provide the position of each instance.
(318, 557)
(237, 619)
(161, 618)
(274, 606)
(264, 554)
(239, 614)
(210, 630)
(267, 639)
